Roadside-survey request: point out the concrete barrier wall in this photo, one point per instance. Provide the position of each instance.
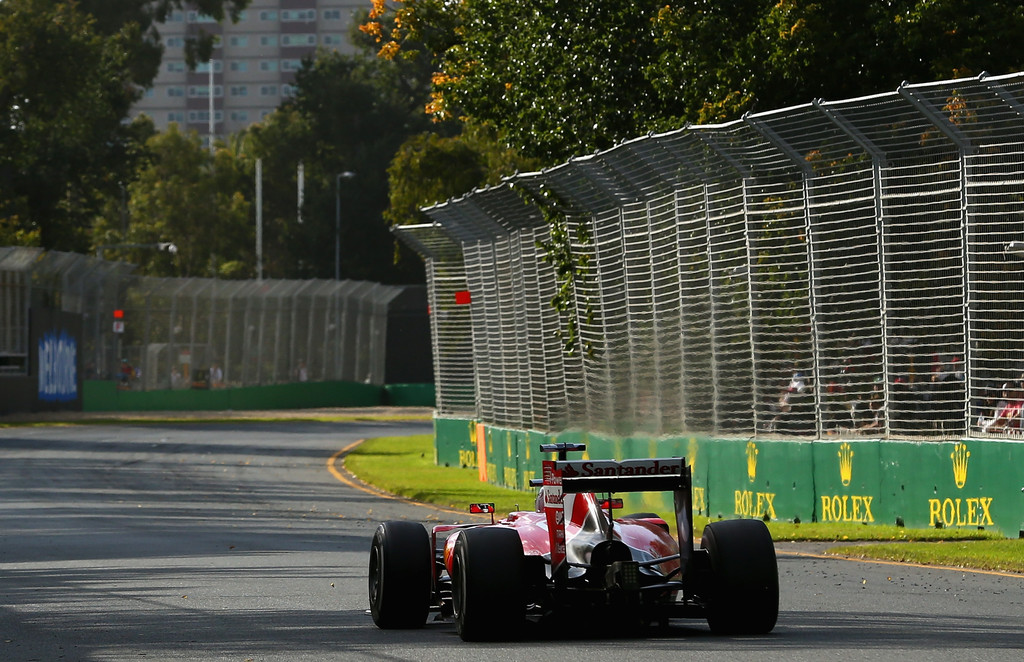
(972, 483)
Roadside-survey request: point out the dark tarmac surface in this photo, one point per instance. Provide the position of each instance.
(312, 414)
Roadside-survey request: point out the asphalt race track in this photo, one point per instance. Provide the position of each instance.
(235, 542)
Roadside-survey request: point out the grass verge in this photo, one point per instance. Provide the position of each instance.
(405, 466)
(995, 554)
(856, 532)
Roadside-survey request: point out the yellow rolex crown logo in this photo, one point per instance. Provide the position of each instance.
(959, 456)
(845, 463)
(751, 460)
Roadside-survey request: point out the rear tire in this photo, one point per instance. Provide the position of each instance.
(399, 582)
(488, 597)
(743, 595)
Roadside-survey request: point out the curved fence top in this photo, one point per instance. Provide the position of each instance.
(833, 268)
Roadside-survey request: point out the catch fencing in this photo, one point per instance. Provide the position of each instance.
(34, 279)
(831, 269)
(196, 332)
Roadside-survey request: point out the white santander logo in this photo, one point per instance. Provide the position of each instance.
(592, 468)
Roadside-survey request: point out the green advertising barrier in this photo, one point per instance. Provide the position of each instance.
(513, 456)
(759, 479)
(970, 483)
(499, 447)
(455, 442)
(99, 396)
(848, 482)
(409, 395)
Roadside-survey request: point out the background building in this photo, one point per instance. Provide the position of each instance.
(254, 64)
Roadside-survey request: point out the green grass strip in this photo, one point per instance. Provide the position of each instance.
(405, 466)
(853, 532)
(997, 555)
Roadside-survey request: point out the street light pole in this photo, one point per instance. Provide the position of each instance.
(337, 220)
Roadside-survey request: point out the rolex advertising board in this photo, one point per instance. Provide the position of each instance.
(847, 481)
(762, 480)
(970, 483)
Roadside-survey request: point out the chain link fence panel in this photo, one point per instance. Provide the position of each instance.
(832, 269)
(197, 332)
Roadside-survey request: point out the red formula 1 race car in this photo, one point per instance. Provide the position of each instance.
(572, 557)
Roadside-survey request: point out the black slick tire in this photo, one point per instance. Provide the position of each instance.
(399, 578)
(743, 595)
(487, 584)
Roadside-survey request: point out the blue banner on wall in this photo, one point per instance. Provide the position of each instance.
(58, 366)
(56, 356)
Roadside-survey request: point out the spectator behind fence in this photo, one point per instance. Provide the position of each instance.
(1006, 418)
(874, 414)
(126, 374)
(946, 394)
(795, 407)
(990, 407)
(177, 379)
(835, 410)
(901, 410)
(216, 376)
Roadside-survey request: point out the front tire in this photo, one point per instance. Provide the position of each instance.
(399, 581)
(743, 595)
(487, 584)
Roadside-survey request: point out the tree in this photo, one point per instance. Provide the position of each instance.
(569, 79)
(11, 234)
(450, 157)
(349, 114)
(282, 141)
(189, 198)
(556, 79)
(431, 168)
(113, 16)
(552, 79)
(724, 59)
(69, 73)
(63, 92)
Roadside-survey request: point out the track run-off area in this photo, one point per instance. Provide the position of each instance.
(247, 540)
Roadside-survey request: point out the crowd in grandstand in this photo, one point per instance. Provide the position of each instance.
(916, 404)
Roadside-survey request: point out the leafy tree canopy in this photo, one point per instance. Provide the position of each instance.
(449, 157)
(112, 16)
(725, 59)
(188, 197)
(431, 168)
(69, 73)
(64, 90)
(349, 115)
(557, 79)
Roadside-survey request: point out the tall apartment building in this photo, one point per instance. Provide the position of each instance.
(254, 64)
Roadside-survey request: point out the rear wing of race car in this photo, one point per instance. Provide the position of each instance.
(647, 475)
(641, 475)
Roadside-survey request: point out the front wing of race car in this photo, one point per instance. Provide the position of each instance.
(574, 558)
